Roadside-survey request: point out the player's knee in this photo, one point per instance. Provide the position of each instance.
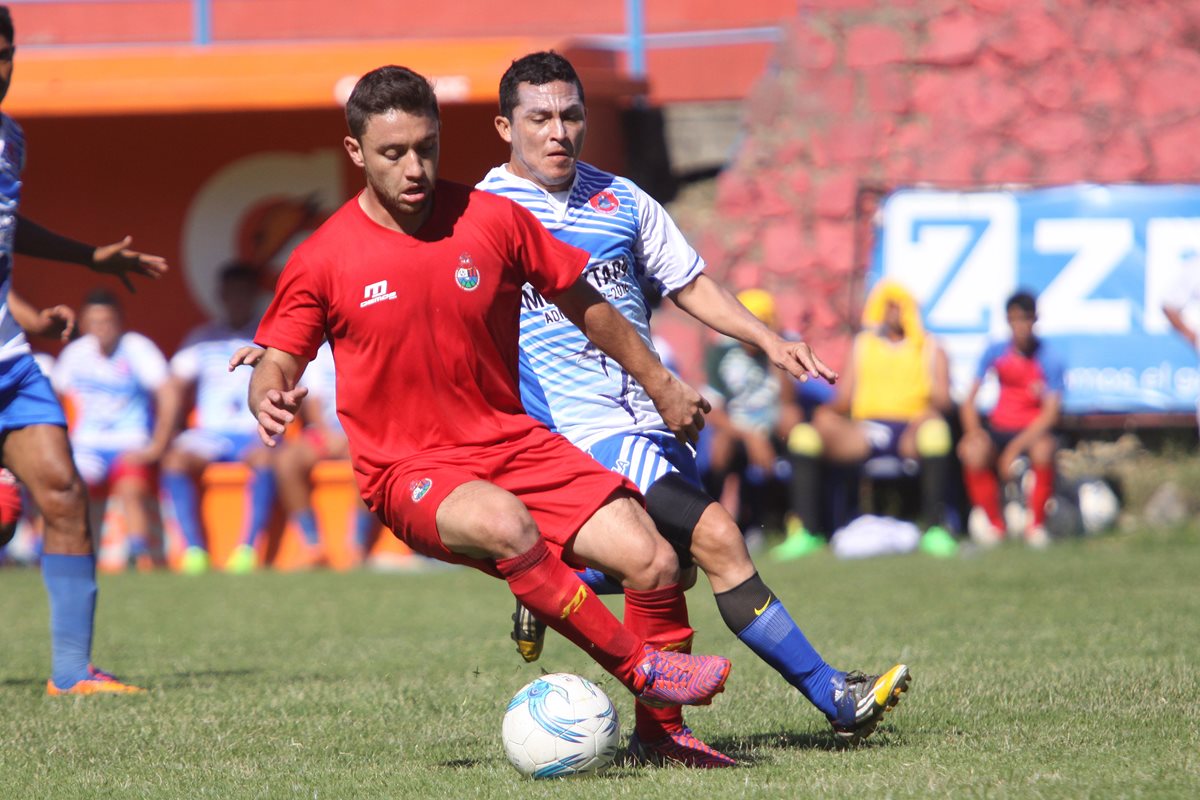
(933, 438)
(805, 440)
(508, 530)
(62, 501)
(718, 544)
(649, 563)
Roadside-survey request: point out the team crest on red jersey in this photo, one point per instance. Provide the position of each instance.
(467, 275)
(418, 489)
(605, 202)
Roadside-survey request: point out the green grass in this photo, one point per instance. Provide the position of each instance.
(1068, 673)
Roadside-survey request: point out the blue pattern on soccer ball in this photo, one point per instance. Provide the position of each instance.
(563, 766)
(536, 695)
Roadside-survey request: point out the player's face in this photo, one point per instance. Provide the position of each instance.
(893, 319)
(546, 133)
(6, 65)
(104, 323)
(399, 155)
(1021, 324)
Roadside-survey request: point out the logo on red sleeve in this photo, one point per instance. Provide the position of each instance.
(605, 202)
(418, 489)
(467, 275)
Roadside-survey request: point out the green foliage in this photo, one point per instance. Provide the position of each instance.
(1068, 673)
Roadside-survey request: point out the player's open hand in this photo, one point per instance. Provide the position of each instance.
(800, 361)
(57, 322)
(249, 355)
(681, 407)
(117, 259)
(276, 411)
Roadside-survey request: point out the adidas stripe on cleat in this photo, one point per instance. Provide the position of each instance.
(861, 701)
(681, 747)
(679, 679)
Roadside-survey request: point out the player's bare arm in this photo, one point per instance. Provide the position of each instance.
(168, 401)
(1175, 317)
(713, 304)
(275, 396)
(682, 408)
(248, 356)
(55, 322)
(111, 259)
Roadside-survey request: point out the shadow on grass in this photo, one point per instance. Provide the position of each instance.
(176, 679)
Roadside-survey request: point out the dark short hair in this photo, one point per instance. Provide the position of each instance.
(386, 89)
(102, 297)
(238, 271)
(6, 26)
(1022, 300)
(537, 69)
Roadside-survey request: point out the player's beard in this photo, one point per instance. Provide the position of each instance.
(396, 205)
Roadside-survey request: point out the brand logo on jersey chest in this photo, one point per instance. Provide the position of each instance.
(376, 293)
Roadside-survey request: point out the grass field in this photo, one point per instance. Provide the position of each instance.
(1068, 673)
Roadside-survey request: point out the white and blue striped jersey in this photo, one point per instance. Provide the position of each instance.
(113, 394)
(220, 394)
(635, 248)
(12, 162)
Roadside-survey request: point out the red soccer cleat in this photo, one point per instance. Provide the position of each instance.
(679, 679)
(681, 747)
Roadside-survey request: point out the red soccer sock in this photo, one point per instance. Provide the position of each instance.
(660, 617)
(556, 596)
(1043, 488)
(984, 491)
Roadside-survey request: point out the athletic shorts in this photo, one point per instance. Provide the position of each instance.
(214, 446)
(645, 457)
(26, 397)
(883, 436)
(100, 466)
(560, 485)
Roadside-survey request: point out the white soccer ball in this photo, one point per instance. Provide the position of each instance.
(560, 725)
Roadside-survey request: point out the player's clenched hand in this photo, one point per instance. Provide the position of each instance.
(248, 355)
(800, 361)
(57, 322)
(681, 407)
(276, 411)
(117, 259)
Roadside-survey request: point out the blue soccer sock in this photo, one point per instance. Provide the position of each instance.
(365, 524)
(307, 520)
(598, 582)
(759, 619)
(261, 502)
(71, 584)
(182, 491)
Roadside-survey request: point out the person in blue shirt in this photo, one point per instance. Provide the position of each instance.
(33, 429)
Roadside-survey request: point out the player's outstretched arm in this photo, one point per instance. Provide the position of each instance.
(682, 408)
(110, 259)
(275, 396)
(55, 322)
(713, 304)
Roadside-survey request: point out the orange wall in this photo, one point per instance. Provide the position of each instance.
(202, 188)
(675, 74)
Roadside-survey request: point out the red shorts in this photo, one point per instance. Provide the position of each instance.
(560, 485)
(10, 499)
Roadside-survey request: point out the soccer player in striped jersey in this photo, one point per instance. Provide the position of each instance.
(33, 429)
(125, 409)
(573, 388)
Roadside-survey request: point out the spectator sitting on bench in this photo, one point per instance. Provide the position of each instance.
(223, 430)
(1022, 423)
(887, 412)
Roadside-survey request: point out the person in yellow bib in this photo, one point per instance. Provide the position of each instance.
(890, 402)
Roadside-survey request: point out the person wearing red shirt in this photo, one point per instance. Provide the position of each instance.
(1030, 375)
(416, 283)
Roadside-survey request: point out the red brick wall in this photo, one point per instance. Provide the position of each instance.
(954, 92)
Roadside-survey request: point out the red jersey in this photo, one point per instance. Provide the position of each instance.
(423, 327)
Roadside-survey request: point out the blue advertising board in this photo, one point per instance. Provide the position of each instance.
(1101, 260)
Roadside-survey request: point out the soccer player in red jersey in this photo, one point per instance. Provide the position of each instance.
(416, 284)
(1022, 423)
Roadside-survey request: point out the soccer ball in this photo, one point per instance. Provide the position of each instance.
(560, 725)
